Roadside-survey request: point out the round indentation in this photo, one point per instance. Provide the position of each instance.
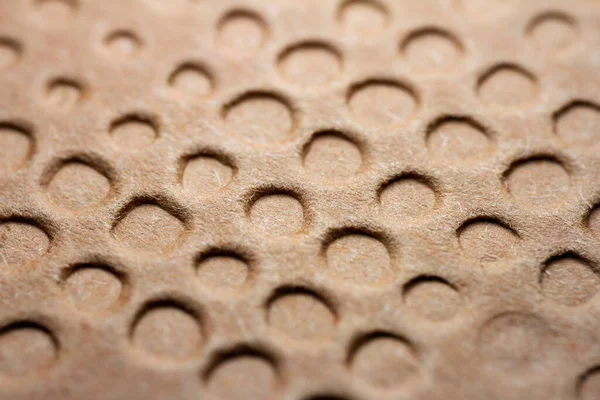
(569, 280)
(363, 17)
(538, 182)
(16, 146)
(148, 227)
(488, 239)
(204, 174)
(93, 288)
(26, 348)
(77, 185)
(55, 10)
(552, 31)
(588, 387)
(10, 51)
(192, 79)
(260, 118)
(310, 63)
(243, 375)
(507, 86)
(407, 197)
(432, 50)
(122, 43)
(458, 139)
(382, 102)
(133, 132)
(300, 314)
(63, 94)
(167, 331)
(578, 123)
(222, 270)
(515, 342)
(360, 259)
(384, 361)
(432, 298)
(278, 214)
(21, 241)
(594, 220)
(241, 32)
(331, 156)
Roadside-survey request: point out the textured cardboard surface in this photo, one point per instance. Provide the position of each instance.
(360, 199)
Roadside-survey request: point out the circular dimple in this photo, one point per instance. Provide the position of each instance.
(588, 387)
(458, 139)
(594, 220)
(167, 331)
(432, 50)
(515, 342)
(277, 214)
(148, 227)
(310, 63)
(55, 10)
(63, 94)
(93, 288)
(260, 118)
(569, 280)
(122, 43)
(362, 17)
(10, 51)
(243, 376)
(26, 348)
(432, 298)
(578, 123)
(330, 156)
(538, 182)
(16, 146)
(507, 86)
(241, 32)
(203, 175)
(407, 197)
(300, 315)
(77, 185)
(385, 362)
(382, 102)
(552, 31)
(359, 258)
(223, 271)
(191, 79)
(488, 239)
(133, 132)
(21, 241)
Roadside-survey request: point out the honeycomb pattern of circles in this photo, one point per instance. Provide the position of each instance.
(299, 199)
